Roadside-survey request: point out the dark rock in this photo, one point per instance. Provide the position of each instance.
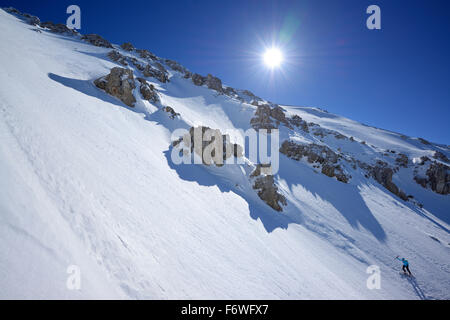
(176, 66)
(148, 91)
(268, 192)
(402, 160)
(315, 153)
(198, 80)
(439, 178)
(440, 156)
(228, 149)
(114, 55)
(97, 40)
(58, 28)
(171, 112)
(127, 46)
(229, 91)
(146, 54)
(299, 122)
(383, 175)
(119, 83)
(30, 19)
(214, 83)
(149, 71)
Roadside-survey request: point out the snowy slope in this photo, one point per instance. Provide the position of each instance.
(88, 181)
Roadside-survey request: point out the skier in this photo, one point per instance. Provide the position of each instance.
(405, 265)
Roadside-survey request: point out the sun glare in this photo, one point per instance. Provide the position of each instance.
(273, 57)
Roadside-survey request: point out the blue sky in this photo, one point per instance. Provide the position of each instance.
(396, 78)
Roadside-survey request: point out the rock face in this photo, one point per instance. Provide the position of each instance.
(439, 178)
(268, 118)
(97, 40)
(30, 19)
(146, 54)
(440, 156)
(402, 160)
(147, 91)
(318, 154)
(383, 175)
(313, 152)
(58, 28)
(198, 80)
(262, 119)
(267, 190)
(119, 83)
(176, 66)
(214, 83)
(127, 46)
(227, 149)
(114, 55)
(171, 112)
(277, 113)
(149, 71)
(229, 91)
(299, 122)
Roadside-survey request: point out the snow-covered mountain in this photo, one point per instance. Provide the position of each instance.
(87, 180)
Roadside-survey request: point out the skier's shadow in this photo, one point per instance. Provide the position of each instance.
(419, 292)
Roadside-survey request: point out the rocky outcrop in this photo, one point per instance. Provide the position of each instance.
(440, 156)
(317, 154)
(214, 83)
(250, 95)
(313, 152)
(175, 66)
(268, 118)
(298, 122)
(127, 46)
(114, 55)
(402, 160)
(145, 54)
(262, 119)
(97, 40)
(149, 71)
(267, 190)
(120, 84)
(436, 177)
(160, 67)
(278, 114)
(229, 91)
(198, 80)
(227, 149)
(58, 28)
(30, 19)
(137, 64)
(187, 74)
(439, 178)
(148, 91)
(382, 173)
(171, 112)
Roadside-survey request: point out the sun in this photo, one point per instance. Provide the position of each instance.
(273, 57)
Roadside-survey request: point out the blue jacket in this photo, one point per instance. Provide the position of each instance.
(405, 262)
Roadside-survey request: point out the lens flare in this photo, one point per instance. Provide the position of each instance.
(273, 57)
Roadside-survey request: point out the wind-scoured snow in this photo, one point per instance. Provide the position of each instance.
(88, 181)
